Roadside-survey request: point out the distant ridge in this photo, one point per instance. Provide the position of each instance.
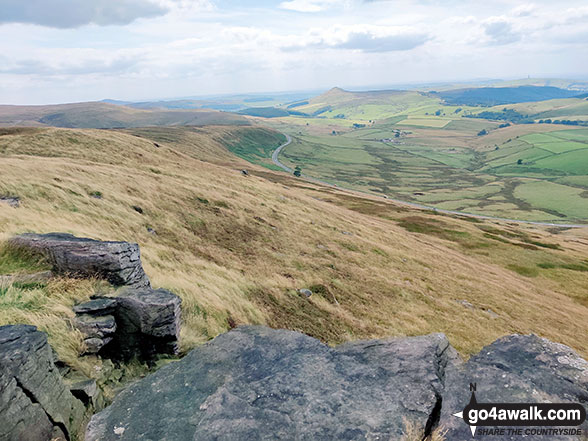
(105, 115)
(492, 96)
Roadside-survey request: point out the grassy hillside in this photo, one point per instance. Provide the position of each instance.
(105, 115)
(236, 248)
(561, 109)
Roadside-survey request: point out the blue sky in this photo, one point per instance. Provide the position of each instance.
(77, 50)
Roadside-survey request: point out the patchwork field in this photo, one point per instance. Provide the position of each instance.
(413, 147)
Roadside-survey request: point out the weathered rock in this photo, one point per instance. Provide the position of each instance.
(515, 369)
(87, 392)
(98, 330)
(117, 262)
(95, 327)
(13, 201)
(305, 292)
(35, 404)
(95, 344)
(148, 323)
(257, 383)
(96, 307)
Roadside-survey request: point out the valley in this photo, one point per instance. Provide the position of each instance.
(412, 147)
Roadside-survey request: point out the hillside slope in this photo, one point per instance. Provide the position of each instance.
(100, 115)
(236, 248)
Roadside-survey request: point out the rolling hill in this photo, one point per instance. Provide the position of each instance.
(106, 115)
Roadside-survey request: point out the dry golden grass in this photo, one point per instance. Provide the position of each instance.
(238, 247)
(414, 432)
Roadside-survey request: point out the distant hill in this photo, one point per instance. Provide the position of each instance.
(265, 112)
(106, 115)
(492, 96)
(228, 103)
(379, 104)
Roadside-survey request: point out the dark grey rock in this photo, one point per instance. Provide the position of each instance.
(515, 369)
(96, 307)
(117, 262)
(148, 323)
(87, 391)
(137, 209)
(13, 201)
(95, 344)
(263, 384)
(35, 404)
(95, 327)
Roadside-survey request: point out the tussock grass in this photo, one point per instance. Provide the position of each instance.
(236, 248)
(413, 432)
(14, 260)
(48, 307)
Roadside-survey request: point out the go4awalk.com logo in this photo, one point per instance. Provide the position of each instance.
(523, 419)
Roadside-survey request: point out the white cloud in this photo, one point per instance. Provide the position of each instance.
(191, 47)
(500, 31)
(307, 5)
(363, 38)
(75, 13)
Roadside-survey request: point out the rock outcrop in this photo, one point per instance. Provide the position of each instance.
(257, 383)
(117, 262)
(148, 323)
(142, 323)
(516, 369)
(35, 404)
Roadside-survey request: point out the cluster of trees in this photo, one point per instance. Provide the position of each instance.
(566, 122)
(505, 115)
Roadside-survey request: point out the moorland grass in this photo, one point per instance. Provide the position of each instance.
(236, 248)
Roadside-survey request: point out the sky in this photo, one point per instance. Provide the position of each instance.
(55, 51)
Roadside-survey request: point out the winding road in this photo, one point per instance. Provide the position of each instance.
(276, 161)
(277, 152)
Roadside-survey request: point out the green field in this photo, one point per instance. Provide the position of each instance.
(408, 145)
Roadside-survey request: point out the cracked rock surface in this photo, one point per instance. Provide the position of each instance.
(258, 383)
(35, 404)
(117, 262)
(516, 369)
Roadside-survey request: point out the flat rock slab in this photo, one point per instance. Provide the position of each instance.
(95, 327)
(117, 262)
(35, 404)
(101, 306)
(263, 384)
(515, 369)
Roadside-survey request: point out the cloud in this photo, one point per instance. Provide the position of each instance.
(367, 42)
(524, 10)
(500, 31)
(363, 38)
(75, 13)
(307, 5)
